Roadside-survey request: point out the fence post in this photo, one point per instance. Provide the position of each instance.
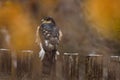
(114, 68)
(71, 66)
(24, 64)
(5, 64)
(94, 67)
(48, 71)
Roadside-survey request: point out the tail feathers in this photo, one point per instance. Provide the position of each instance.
(48, 62)
(41, 54)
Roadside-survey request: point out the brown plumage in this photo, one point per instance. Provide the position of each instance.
(48, 37)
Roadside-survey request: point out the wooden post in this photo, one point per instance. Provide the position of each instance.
(59, 62)
(94, 67)
(114, 68)
(48, 71)
(5, 64)
(24, 64)
(71, 66)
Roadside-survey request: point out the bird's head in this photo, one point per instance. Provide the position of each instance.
(48, 20)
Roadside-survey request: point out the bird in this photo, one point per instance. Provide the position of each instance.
(48, 37)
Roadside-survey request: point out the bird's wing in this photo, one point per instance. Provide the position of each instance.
(60, 35)
(37, 36)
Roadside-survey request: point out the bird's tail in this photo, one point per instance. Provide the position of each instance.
(48, 62)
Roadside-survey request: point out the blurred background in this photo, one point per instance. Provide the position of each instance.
(88, 26)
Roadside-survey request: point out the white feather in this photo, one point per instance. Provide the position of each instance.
(46, 42)
(42, 52)
(57, 52)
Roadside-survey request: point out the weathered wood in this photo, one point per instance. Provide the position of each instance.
(71, 66)
(5, 61)
(5, 64)
(24, 64)
(59, 62)
(48, 67)
(114, 68)
(65, 67)
(94, 67)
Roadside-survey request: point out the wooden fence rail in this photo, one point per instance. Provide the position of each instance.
(67, 66)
